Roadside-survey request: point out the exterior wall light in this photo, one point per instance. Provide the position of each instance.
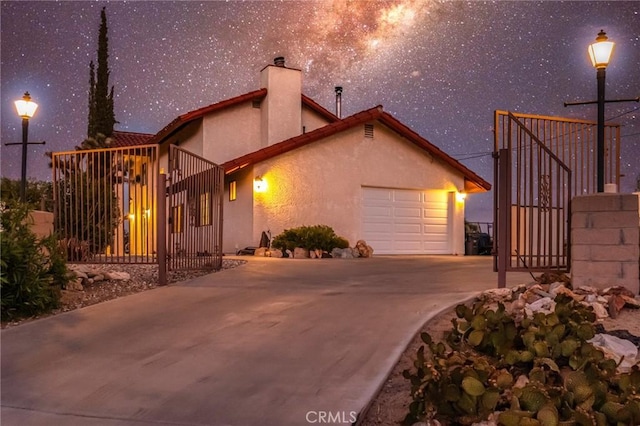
(460, 196)
(259, 184)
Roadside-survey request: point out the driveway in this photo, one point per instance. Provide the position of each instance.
(272, 342)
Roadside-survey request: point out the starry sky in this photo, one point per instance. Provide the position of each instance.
(440, 67)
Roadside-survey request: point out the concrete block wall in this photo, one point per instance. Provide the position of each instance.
(605, 241)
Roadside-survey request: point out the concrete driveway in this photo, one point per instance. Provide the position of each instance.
(273, 342)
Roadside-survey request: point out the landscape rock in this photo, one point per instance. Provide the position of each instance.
(277, 253)
(118, 276)
(261, 252)
(617, 349)
(74, 285)
(364, 250)
(300, 253)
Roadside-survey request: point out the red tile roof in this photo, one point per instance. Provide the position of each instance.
(331, 117)
(473, 182)
(185, 119)
(124, 139)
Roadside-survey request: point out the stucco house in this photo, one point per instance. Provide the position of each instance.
(290, 162)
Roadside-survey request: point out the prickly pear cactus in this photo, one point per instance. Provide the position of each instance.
(538, 371)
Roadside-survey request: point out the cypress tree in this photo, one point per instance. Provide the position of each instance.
(101, 115)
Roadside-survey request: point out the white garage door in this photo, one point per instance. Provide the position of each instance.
(402, 221)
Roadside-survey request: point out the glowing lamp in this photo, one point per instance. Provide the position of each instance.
(259, 184)
(460, 196)
(26, 107)
(600, 51)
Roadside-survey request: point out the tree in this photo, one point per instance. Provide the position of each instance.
(101, 116)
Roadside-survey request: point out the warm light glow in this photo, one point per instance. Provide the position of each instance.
(259, 184)
(460, 196)
(132, 216)
(26, 107)
(600, 51)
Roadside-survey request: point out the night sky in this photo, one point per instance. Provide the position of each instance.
(442, 68)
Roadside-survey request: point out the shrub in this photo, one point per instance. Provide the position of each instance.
(32, 270)
(320, 237)
(567, 378)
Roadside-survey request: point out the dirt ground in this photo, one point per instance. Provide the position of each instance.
(390, 406)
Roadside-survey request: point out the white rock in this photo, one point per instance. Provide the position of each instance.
(119, 276)
(617, 348)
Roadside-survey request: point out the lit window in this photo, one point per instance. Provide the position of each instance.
(177, 219)
(233, 190)
(205, 209)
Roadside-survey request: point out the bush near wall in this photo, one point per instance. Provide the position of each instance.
(32, 270)
(320, 237)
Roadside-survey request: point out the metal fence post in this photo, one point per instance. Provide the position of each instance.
(162, 229)
(503, 225)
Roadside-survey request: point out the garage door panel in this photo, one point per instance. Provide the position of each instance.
(408, 228)
(376, 211)
(379, 194)
(398, 221)
(406, 195)
(401, 212)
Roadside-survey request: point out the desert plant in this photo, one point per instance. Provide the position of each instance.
(32, 270)
(563, 377)
(320, 237)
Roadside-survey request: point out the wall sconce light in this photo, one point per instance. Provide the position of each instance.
(460, 196)
(259, 184)
(132, 216)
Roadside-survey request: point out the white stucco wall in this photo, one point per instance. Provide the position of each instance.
(321, 183)
(231, 133)
(311, 120)
(237, 228)
(281, 108)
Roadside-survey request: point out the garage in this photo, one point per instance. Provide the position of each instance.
(404, 221)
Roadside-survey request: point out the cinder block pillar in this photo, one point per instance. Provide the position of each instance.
(605, 241)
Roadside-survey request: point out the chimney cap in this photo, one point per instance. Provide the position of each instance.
(338, 89)
(279, 61)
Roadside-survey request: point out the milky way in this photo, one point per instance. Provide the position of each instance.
(442, 68)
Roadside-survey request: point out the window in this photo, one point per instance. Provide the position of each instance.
(177, 219)
(368, 131)
(233, 190)
(205, 209)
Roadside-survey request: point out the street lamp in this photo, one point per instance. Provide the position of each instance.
(600, 54)
(26, 108)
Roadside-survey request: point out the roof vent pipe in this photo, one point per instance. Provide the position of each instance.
(339, 101)
(279, 61)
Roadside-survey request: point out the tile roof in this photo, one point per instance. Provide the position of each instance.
(184, 119)
(473, 182)
(124, 139)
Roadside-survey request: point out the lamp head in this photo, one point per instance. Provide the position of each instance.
(600, 51)
(26, 107)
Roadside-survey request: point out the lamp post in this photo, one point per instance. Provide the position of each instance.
(26, 108)
(600, 54)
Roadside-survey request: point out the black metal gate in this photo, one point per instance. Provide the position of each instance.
(541, 163)
(195, 190)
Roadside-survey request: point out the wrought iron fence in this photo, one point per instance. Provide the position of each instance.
(195, 191)
(541, 164)
(105, 204)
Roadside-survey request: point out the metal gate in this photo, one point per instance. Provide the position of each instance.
(541, 163)
(105, 208)
(195, 190)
